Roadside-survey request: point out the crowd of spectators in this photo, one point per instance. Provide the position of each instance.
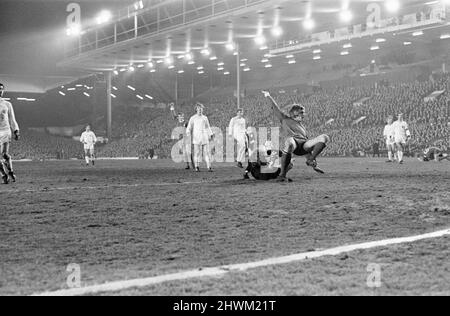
(354, 117)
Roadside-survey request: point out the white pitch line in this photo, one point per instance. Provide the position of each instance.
(114, 186)
(222, 270)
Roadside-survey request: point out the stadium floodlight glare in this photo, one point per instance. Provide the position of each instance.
(291, 62)
(221, 64)
(212, 58)
(113, 95)
(200, 68)
(268, 66)
(150, 64)
(345, 53)
(309, 24)
(131, 69)
(168, 60)
(139, 97)
(247, 69)
(206, 52)
(159, 61)
(392, 5)
(407, 43)
(243, 64)
(104, 17)
(62, 93)
(290, 56)
(260, 40)
(346, 16)
(74, 30)
(71, 89)
(220, 69)
(141, 66)
(376, 47)
(191, 62)
(189, 56)
(123, 69)
(317, 51)
(139, 5)
(149, 97)
(230, 46)
(86, 94)
(418, 33)
(277, 31)
(153, 70)
(317, 58)
(265, 60)
(445, 36)
(226, 73)
(115, 88)
(116, 72)
(201, 72)
(349, 45)
(171, 67)
(181, 71)
(131, 88)
(380, 40)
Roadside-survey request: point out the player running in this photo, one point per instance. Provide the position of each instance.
(200, 131)
(402, 135)
(187, 146)
(297, 142)
(89, 140)
(237, 130)
(389, 137)
(8, 126)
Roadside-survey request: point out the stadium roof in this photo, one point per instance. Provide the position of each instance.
(176, 27)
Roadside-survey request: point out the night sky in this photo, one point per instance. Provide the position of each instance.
(32, 33)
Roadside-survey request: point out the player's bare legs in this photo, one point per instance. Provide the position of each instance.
(207, 156)
(400, 151)
(3, 166)
(290, 145)
(315, 147)
(87, 156)
(92, 154)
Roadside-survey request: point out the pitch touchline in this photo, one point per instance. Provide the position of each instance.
(107, 187)
(222, 270)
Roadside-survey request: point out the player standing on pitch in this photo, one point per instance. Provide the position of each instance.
(402, 135)
(389, 136)
(237, 130)
(187, 145)
(297, 142)
(200, 131)
(8, 123)
(89, 140)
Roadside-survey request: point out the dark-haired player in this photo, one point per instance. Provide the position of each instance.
(8, 124)
(434, 154)
(297, 141)
(187, 146)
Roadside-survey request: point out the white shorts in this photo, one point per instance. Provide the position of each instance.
(89, 147)
(400, 140)
(5, 137)
(390, 142)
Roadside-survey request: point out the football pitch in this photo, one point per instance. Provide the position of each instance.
(153, 228)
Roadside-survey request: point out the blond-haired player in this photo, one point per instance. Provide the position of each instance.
(201, 134)
(389, 137)
(89, 140)
(402, 135)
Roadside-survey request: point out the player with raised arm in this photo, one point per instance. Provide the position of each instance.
(237, 129)
(389, 137)
(200, 131)
(8, 127)
(187, 145)
(297, 141)
(89, 140)
(402, 135)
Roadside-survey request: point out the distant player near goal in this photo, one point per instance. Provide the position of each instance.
(89, 140)
(402, 135)
(297, 141)
(8, 124)
(389, 137)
